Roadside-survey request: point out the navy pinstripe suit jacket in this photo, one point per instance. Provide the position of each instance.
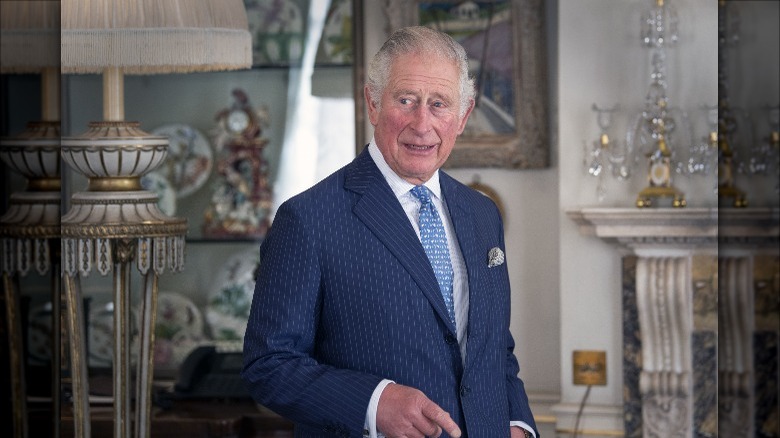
(345, 296)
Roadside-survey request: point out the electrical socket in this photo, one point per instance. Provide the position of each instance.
(589, 367)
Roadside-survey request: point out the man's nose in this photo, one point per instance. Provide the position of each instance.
(421, 120)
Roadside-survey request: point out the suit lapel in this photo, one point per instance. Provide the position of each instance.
(463, 221)
(381, 212)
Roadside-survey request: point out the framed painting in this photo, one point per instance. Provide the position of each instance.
(505, 42)
(279, 32)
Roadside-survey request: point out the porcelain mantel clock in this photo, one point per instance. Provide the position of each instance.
(241, 199)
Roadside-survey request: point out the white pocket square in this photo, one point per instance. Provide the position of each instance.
(495, 257)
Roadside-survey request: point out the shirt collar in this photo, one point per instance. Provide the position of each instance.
(399, 185)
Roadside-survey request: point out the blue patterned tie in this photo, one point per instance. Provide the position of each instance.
(434, 241)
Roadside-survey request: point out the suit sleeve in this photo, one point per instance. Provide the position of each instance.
(519, 407)
(279, 347)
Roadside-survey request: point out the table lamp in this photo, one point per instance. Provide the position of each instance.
(115, 223)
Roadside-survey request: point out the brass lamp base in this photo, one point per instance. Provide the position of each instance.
(108, 231)
(646, 196)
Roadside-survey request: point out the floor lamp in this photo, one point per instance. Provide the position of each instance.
(29, 229)
(115, 224)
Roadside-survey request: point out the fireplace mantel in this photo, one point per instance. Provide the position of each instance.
(686, 227)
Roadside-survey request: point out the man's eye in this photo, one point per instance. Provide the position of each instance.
(438, 104)
(405, 101)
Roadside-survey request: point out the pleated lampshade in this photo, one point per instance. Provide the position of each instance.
(117, 38)
(153, 36)
(29, 36)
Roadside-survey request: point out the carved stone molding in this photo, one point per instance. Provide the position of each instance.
(681, 228)
(663, 291)
(666, 416)
(632, 227)
(732, 412)
(735, 357)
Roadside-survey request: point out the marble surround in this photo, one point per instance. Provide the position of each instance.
(700, 318)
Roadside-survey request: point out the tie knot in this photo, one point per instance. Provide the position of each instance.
(422, 194)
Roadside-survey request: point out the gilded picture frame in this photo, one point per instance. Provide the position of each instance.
(509, 127)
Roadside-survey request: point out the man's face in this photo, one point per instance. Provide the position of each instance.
(418, 121)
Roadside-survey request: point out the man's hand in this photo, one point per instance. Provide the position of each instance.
(519, 432)
(404, 411)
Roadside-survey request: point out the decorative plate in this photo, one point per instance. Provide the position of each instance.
(277, 31)
(157, 183)
(227, 310)
(101, 335)
(189, 160)
(178, 329)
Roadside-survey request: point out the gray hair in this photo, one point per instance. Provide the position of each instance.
(419, 39)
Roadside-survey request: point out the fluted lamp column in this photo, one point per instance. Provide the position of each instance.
(29, 229)
(114, 224)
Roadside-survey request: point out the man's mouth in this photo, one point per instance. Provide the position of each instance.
(418, 147)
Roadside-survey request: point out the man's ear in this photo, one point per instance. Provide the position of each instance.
(465, 117)
(373, 111)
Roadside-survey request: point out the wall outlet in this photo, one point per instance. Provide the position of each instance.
(589, 367)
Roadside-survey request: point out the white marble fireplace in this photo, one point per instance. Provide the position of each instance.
(700, 318)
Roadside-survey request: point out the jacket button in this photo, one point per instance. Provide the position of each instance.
(450, 339)
(464, 390)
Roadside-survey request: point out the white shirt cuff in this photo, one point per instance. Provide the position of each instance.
(373, 404)
(524, 425)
